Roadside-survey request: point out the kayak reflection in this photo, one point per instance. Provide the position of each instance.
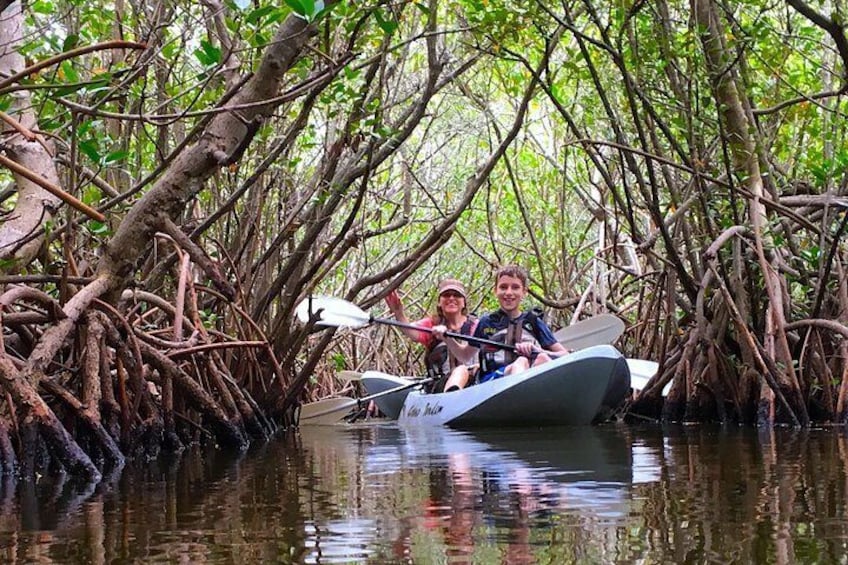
(469, 492)
(567, 467)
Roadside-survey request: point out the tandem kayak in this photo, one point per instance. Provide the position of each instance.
(571, 390)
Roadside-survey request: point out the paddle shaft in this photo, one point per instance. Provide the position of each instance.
(322, 411)
(377, 395)
(454, 335)
(343, 313)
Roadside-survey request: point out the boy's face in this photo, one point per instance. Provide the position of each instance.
(510, 292)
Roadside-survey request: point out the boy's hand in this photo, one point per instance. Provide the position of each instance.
(526, 348)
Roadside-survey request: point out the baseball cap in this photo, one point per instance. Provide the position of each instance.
(452, 284)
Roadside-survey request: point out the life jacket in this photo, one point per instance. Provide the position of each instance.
(522, 328)
(439, 360)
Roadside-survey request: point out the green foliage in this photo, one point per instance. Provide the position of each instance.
(91, 195)
(98, 229)
(812, 255)
(658, 131)
(388, 25)
(90, 148)
(307, 9)
(208, 54)
(71, 41)
(338, 361)
(209, 319)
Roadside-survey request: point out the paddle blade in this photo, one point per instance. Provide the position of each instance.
(326, 412)
(350, 376)
(335, 312)
(641, 371)
(598, 330)
(642, 368)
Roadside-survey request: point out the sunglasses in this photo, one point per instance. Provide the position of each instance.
(450, 294)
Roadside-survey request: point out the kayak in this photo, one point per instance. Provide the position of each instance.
(601, 329)
(571, 390)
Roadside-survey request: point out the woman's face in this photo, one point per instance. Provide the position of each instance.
(451, 302)
(510, 292)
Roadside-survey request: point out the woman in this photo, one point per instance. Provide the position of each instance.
(445, 356)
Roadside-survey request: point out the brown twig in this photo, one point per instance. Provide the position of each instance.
(116, 44)
(215, 346)
(69, 199)
(17, 126)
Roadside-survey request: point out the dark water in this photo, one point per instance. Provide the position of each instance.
(380, 494)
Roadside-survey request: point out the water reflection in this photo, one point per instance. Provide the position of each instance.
(383, 494)
(512, 494)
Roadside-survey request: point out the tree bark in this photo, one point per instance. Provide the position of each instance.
(8, 459)
(34, 415)
(35, 206)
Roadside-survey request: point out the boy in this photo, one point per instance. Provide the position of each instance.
(533, 340)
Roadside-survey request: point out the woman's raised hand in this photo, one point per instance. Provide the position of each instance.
(394, 303)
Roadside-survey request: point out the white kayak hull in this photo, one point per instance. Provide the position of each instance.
(566, 391)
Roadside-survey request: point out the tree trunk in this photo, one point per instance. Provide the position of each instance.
(35, 206)
(743, 147)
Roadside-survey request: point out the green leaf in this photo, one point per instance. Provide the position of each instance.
(84, 127)
(69, 89)
(70, 42)
(339, 361)
(98, 228)
(208, 318)
(297, 7)
(91, 195)
(306, 9)
(256, 15)
(40, 7)
(115, 156)
(351, 74)
(388, 26)
(208, 54)
(89, 147)
(69, 72)
(259, 40)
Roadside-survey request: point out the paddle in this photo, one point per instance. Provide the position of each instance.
(329, 410)
(598, 330)
(350, 376)
(641, 371)
(336, 312)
